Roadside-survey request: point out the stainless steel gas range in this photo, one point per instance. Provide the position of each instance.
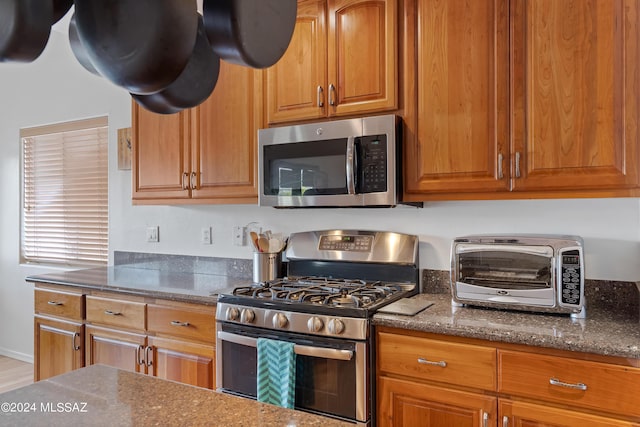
(336, 280)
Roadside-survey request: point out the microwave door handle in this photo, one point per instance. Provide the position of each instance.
(351, 185)
(302, 350)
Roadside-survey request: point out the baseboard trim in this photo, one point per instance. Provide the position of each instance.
(16, 355)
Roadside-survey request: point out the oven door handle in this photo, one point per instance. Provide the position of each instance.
(302, 350)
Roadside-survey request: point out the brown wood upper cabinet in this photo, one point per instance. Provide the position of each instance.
(342, 60)
(203, 155)
(515, 98)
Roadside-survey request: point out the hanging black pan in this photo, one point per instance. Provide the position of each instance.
(193, 86)
(24, 29)
(78, 49)
(254, 33)
(60, 8)
(140, 45)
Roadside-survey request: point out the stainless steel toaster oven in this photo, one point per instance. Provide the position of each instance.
(541, 273)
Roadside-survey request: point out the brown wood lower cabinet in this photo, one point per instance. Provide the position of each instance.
(58, 347)
(167, 339)
(123, 350)
(182, 361)
(409, 403)
(523, 414)
(431, 380)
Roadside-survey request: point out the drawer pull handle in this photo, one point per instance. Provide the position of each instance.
(54, 303)
(147, 356)
(485, 419)
(576, 386)
(73, 344)
(112, 313)
(179, 323)
(139, 351)
(441, 363)
(505, 421)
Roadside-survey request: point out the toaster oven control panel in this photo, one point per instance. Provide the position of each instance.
(571, 282)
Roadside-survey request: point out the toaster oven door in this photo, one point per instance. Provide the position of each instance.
(521, 275)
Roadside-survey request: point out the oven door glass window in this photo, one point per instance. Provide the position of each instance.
(306, 168)
(326, 386)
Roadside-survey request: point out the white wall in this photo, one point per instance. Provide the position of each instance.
(56, 88)
(53, 88)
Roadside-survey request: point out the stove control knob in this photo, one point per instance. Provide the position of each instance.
(247, 316)
(335, 326)
(315, 324)
(280, 321)
(233, 313)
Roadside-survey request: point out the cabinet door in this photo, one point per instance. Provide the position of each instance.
(160, 155)
(296, 85)
(460, 139)
(182, 361)
(405, 403)
(119, 349)
(58, 347)
(362, 56)
(225, 132)
(520, 414)
(575, 94)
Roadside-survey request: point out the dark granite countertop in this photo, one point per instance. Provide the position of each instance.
(601, 332)
(179, 286)
(103, 396)
(604, 331)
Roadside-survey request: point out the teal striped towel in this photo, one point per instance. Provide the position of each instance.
(276, 372)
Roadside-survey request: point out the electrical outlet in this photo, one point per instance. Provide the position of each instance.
(205, 235)
(153, 235)
(239, 236)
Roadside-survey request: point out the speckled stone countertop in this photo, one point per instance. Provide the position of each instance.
(179, 286)
(103, 396)
(601, 332)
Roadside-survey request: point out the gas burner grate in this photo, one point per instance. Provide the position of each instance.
(322, 291)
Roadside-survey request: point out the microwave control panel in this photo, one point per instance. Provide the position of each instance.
(571, 280)
(372, 164)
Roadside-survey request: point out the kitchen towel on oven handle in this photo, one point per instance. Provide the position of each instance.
(276, 376)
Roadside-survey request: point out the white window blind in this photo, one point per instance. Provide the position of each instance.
(65, 193)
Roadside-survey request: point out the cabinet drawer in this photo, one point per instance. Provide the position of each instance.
(454, 363)
(593, 385)
(183, 322)
(57, 303)
(114, 312)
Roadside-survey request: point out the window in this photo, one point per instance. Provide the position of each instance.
(65, 193)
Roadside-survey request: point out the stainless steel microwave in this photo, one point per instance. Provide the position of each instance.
(340, 163)
(541, 273)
